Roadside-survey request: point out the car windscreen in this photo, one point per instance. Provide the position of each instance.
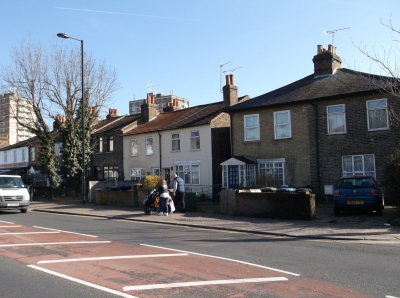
(11, 182)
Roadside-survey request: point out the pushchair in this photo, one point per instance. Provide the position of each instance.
(150, 203)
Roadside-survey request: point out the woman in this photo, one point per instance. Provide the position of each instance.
(164, 195)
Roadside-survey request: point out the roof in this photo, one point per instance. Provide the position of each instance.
(194, 116)
(342, 83)
(117, 125)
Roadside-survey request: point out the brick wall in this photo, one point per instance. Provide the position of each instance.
(295, 150)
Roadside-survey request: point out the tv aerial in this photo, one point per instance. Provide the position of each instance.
(220, 74)
(333, 33)
(150, 86)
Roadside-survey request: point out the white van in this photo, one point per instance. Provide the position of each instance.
(13, 193)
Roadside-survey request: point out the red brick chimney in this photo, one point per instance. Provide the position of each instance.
(148, 109)
(112, 113)
(326, 62)
(230, 92)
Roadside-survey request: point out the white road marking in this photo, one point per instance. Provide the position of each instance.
(83, 282)
(53, 243)
(10, 226)
(28, 233)
(202, 283)
(112, 258)
(221, 258)
(391, 297)
(6, 222)
(65, 231)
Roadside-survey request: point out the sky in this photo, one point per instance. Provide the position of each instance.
(179, 45)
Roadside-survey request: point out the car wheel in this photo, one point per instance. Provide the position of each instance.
(336, 210)
(24, 210)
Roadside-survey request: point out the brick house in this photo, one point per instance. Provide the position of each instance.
(309, 133)
(107, 159)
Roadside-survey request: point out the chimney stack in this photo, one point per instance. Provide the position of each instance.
(148, 109)
(230, 92)
(326, 62)
(112, 113)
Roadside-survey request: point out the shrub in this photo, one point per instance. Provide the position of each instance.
(391, 177)
(151, 182)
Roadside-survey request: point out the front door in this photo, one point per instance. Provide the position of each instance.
(233, 177)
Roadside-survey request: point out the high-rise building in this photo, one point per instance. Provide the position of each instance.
(161, 101)
(13, 107)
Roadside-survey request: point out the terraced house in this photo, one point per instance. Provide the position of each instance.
(332, 123)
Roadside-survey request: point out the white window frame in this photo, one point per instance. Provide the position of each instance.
(248, 128)
(138, 173)
(332, 115)
(175, 138)
(156, 171)
(276, 126)
(110, 144)
(58, 148)
(33, 154)
(193, 140)
(110, 172)
(275, 167)
(371, 111)
(99, 145)
(355, 165)
(189, 172)
(149, 147)
(134, 147)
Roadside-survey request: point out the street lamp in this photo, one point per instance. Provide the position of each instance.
(64, 35)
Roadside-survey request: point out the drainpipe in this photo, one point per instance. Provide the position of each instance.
(159, 145)
(316, 139)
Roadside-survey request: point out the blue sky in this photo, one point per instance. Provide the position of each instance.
(179, 45)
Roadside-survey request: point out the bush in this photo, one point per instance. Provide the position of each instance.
(391, 177)
(151, 182)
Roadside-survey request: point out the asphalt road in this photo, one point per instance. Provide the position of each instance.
(348, 269)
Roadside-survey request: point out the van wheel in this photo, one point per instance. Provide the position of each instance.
(24, 210)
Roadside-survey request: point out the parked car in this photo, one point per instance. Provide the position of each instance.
(13, 193)
(358, 193)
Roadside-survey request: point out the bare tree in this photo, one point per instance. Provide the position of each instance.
(50, 82)
(387, 64)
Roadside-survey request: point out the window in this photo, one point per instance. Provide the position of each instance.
(110, 144)
(33, 154)
(99, 145)
(282, 125)
(176, 142)
(110, 172)
(15, 155)
(138, 173)
(149, 146)
(156, 171)
(189, 173)
(195, 140)
(58, 149)
(336, 117)
(377, 114)
(134, 147)
(5, 156)
(251, 128)
(271, 172)
(356, 165)
(23, 154)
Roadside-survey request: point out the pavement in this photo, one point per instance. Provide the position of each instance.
(349, 226)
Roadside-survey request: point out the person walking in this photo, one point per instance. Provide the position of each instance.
(163, 201)
(179, 191)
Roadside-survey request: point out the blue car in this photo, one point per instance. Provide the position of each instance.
(358, 193)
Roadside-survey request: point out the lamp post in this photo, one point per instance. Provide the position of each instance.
(64, 35)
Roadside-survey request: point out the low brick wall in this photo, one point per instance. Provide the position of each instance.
(268, 205)
(108, 197)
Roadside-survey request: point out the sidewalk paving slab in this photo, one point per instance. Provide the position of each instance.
(353, 226)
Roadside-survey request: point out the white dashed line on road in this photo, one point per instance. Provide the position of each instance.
(27, 233)
(112, 258)
(53, 243)
(221, 258)
(203, 283)
(64, 231)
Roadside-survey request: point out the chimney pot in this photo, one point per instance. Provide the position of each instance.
(231, 79)
(228, 80)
